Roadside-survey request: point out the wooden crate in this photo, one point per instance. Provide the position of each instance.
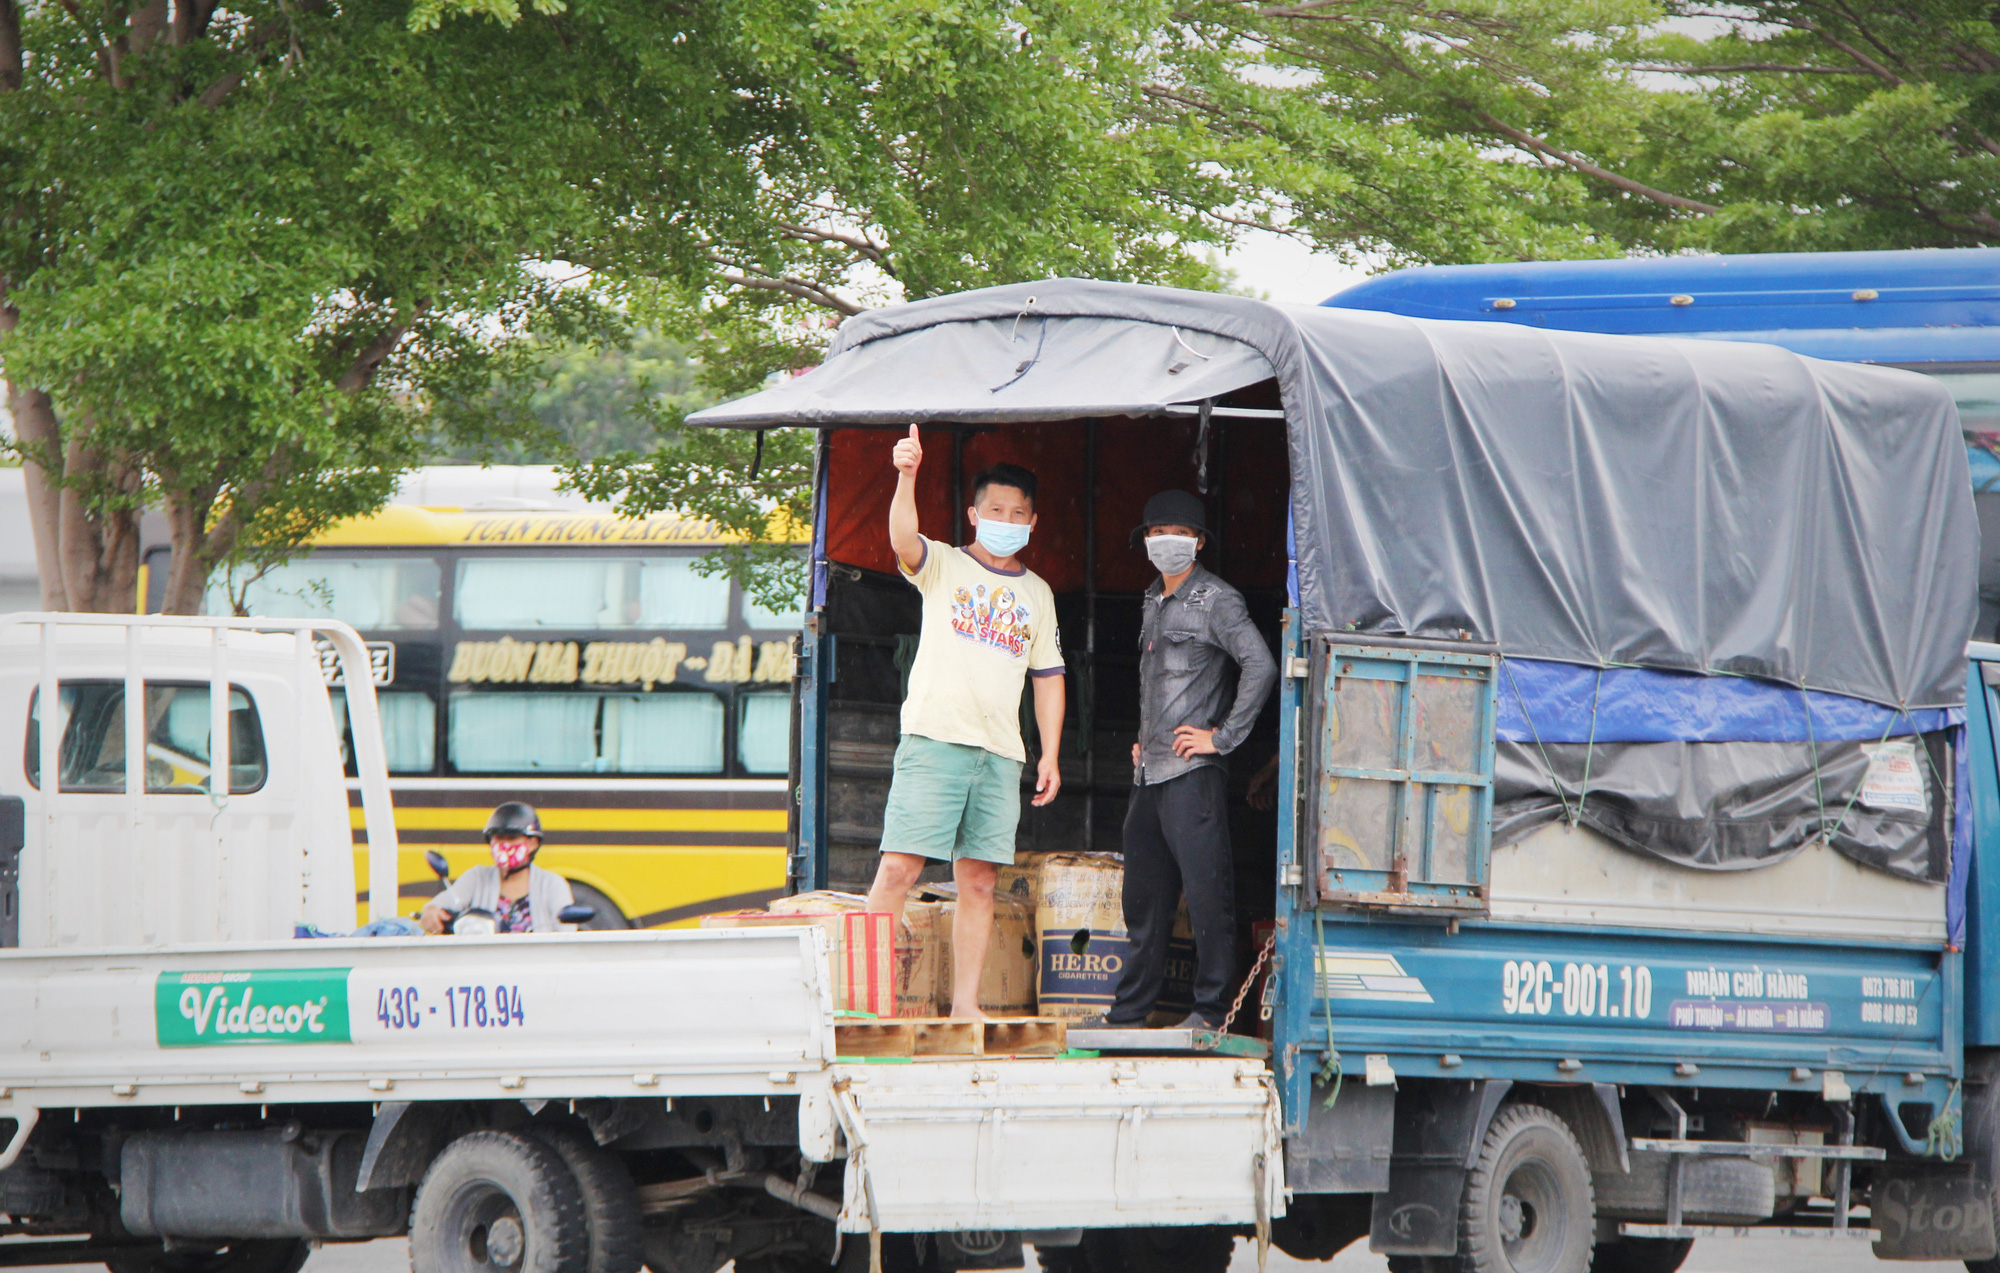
(1024, 1036)
(943, 1036)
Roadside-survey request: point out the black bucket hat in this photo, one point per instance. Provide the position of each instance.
(1171, 508)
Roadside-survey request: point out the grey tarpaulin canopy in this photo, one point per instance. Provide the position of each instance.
(1603, 500)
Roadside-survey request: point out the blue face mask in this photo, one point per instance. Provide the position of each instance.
(1002, 539)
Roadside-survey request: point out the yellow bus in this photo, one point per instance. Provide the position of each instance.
(577, 661)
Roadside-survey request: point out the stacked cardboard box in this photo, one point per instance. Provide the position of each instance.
(1007, 983)
(1080, 922)
(918, 948)
(860, 952)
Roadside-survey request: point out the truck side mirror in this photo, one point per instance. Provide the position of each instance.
(13, 838)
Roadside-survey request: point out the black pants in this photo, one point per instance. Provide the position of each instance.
(1177, 840)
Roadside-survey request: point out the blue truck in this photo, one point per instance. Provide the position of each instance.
(1633, 765)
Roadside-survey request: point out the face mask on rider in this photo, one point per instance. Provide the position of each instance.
(1171, 554)
(511, 857)
(1003, 539)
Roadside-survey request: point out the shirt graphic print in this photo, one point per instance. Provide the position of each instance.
(984, 632)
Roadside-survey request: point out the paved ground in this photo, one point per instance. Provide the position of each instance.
(1746, 1255)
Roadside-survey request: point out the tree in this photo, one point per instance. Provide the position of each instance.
(1772, 125)
(251, 259)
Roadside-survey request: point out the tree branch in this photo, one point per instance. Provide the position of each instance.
(875, 252)
(1741, 67)
(362, 371)
(11, 62)
(1589, 169)
(786, 284)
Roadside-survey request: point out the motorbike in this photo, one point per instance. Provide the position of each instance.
(477, 921)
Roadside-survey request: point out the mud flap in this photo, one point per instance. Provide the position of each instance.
(1927, 1212)
(1438, 1130)
(1345, 1149)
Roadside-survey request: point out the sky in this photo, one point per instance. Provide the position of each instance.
(1283, 269)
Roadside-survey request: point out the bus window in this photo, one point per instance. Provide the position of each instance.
(409, 730)
(663, 732)
(756, 616)
(91, 755)
(577, 593)
(1978, 396)
(369, 593)
(764, 733)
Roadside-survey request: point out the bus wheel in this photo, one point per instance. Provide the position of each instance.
(1528, 1206)
(608, 914)
(264, 1255)
(494, 1202)
(610, 1203)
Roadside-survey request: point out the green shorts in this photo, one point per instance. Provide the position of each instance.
(950, 801)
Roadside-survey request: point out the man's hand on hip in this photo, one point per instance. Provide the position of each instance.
(1189, 741)
(1048, 780)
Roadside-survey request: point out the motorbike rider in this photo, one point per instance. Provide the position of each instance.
(522, 897)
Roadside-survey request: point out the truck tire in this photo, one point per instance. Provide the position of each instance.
(610, 1203)
(494, 1202)
(1641, 1255)
(1527, 1206)
(1174, 1249)
(263, 1255)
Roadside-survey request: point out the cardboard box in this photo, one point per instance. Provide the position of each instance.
(860, 954)
(1007, 983)
(1083, 945)
(919, 946)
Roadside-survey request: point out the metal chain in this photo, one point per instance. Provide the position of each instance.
(1249, 981)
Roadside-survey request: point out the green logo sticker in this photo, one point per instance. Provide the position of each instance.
(271, 1005)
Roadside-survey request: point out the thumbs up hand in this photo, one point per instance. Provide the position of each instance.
(909, 454)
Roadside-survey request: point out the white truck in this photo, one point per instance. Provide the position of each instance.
(188, 1087)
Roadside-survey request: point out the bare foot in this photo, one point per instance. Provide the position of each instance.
(958, 1014)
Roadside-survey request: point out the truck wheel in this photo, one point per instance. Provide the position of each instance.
(494, 1202)
(1642, 1255)
(265, 1255)
(610, 1203)
(1175, 1249)
(1527, 1205)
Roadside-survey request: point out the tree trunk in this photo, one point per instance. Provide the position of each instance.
(35, 425)
(195, 551)
(98, 552)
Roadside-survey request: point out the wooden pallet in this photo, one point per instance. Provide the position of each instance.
(943, 1036)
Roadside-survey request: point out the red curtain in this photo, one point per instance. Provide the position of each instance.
(1247, 494)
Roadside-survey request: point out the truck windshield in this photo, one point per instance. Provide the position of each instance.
(91, 755)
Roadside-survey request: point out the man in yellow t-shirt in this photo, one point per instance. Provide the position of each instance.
(989, 623)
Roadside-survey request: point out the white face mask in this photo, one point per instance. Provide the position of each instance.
(1002, 539)
(1171, 554)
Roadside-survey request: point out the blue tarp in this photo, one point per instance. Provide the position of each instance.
(1542, 701)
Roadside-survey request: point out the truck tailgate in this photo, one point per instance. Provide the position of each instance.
(1021, 1144)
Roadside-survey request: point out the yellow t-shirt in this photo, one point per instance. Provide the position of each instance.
(984, 631)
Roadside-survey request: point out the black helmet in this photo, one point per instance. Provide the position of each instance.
(514, 818)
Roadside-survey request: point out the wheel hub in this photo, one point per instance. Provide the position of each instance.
(505, 1242)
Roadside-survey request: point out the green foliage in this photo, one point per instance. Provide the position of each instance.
(1670, 125)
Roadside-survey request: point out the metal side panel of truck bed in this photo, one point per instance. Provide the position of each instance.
(1021, 1144)
(525, 1016)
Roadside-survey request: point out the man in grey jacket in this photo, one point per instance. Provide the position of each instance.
(1177, 826)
